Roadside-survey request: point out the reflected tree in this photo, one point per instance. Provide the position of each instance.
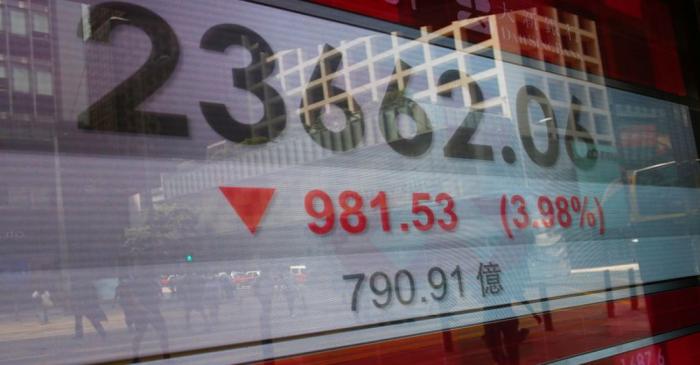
(163, 236)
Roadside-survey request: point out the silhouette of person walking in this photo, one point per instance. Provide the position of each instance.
(263, 288)
(86, 303)
(42, 299)
(212, 297)
(192, 291)
(125, 297)
(504, 336)
(146, 294)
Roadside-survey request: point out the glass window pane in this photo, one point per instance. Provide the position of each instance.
(44, 83)
(20, 79)
(40, 23)
(18, 22)
(427, 181)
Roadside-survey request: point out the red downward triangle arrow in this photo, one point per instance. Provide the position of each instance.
(249, 203)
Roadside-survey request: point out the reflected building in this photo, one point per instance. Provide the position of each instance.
(555, 51)
(559, 49)
(28, 115)
(28, 64)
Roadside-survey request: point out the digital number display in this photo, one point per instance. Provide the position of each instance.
(254, 180)
(319, 92)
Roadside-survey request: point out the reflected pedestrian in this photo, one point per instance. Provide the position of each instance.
(124, 295)
(146, 294)
(212, 297)
(299, 285)
(191, 290)
(86, 303)
(263, 287)
(503, 339)
(42, 300)
(287, 286)
(504, 336)
(226, 285)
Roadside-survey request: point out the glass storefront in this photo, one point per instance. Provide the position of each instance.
(349, 182)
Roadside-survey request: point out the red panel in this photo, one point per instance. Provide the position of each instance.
(523, 340)
(384, 10)
(636, 37)
(679, 351)
(683, 350)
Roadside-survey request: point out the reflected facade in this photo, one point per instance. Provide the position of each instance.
(349, 182)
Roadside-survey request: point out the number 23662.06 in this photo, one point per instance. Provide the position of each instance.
(116, 111)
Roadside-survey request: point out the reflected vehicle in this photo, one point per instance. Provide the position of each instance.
(233, 277)
(298, 272)
(170, 282)
(165, 280)
(245, 280)
(643, 208)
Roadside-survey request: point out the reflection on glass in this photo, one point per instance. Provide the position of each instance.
(482, 179)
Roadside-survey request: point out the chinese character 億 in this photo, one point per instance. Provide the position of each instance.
(490, 278)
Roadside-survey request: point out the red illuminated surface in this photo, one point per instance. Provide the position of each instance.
(573, 331)
(636, 37)
(679, 351)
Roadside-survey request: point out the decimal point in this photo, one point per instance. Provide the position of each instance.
(405, 227)
(423, 300)
(536, 224)
(508, 154)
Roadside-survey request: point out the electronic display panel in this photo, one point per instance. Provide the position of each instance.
(230, 182)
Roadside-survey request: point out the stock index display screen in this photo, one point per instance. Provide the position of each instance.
(352, 182)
